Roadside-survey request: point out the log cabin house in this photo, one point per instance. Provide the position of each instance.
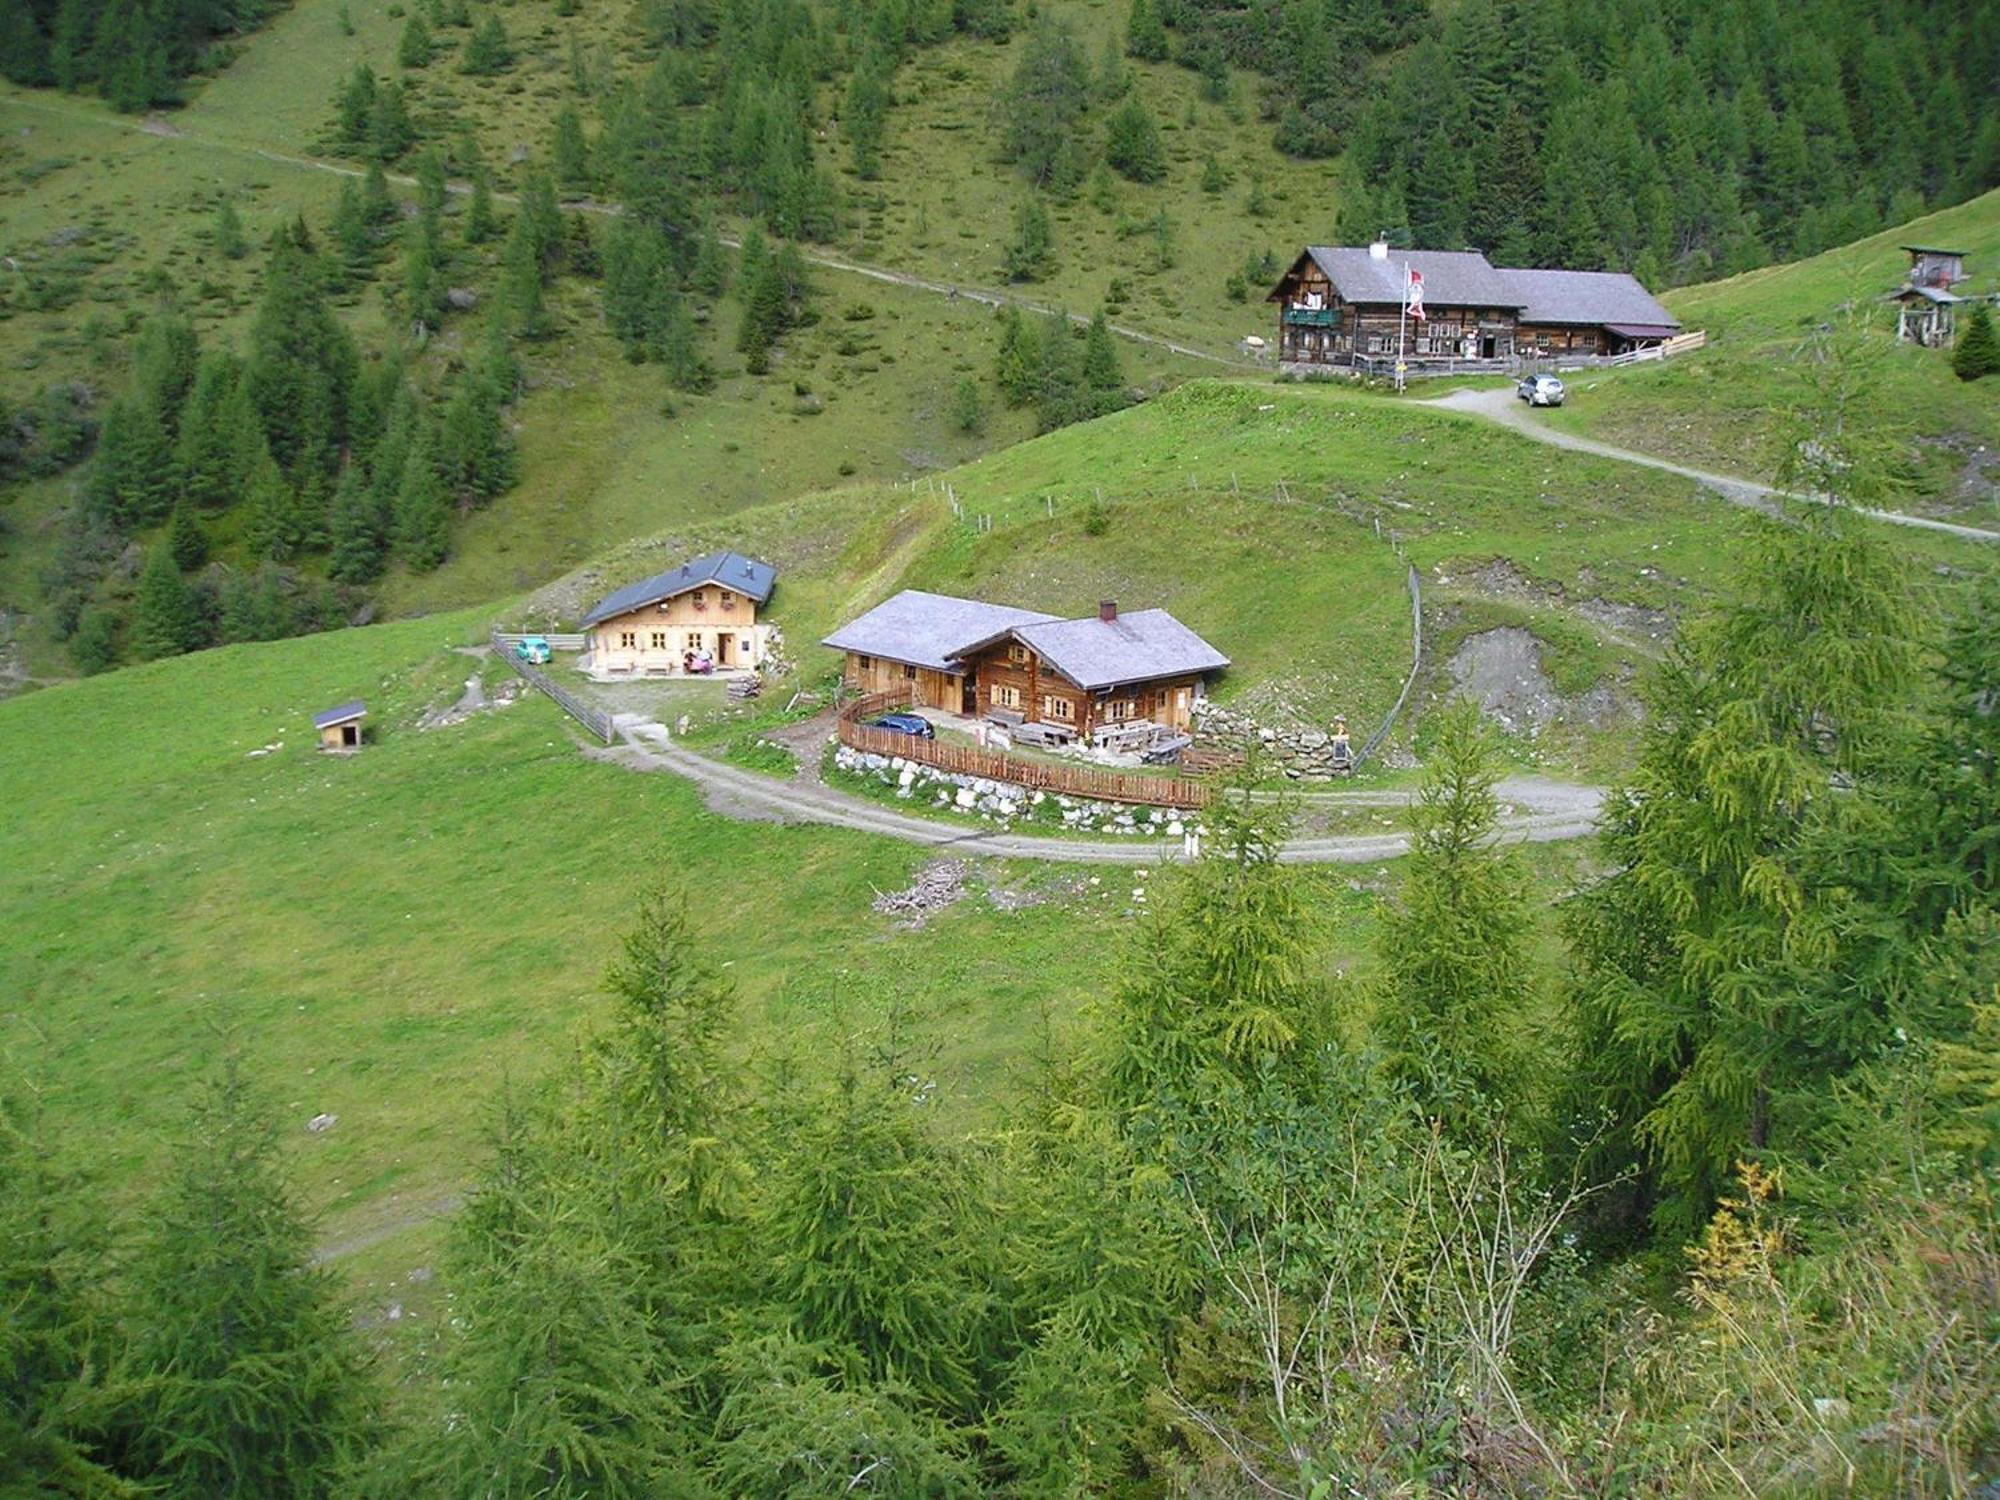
(910, 642)
(1343, 307)
(701, 614)
(966, 657)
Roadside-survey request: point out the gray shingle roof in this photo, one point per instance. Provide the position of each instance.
(1456, 278)
(355, 710)
(1585, 297)
(928, 630)
(1136, 647)
(730, 570)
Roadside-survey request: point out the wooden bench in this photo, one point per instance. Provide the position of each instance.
(1007, 718)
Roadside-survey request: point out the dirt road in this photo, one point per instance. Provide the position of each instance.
(1507, 409)
(1544, 811)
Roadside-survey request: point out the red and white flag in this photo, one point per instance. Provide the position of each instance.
(1413, 295)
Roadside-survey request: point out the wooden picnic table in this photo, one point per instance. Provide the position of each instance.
(1126, 735)
(1051, 736)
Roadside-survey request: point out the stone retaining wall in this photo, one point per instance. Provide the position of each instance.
(1300, 752)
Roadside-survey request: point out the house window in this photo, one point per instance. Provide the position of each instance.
(1007, 696)
(1017, 654)
(691, 641)
(628, 640)
(909, 674)
(864, 663)
(701, 598)
(1374, 343)
(1119, 708)
(728, 599)
(659, 640)
(1058, 708)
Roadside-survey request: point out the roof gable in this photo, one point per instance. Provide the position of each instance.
(731, 570)
(1596, 297)
(1454, 278)
(1138, 647)
(928, 630)
(341, 715)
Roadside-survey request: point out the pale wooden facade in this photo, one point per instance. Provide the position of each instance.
(927, 687)
(655, 640)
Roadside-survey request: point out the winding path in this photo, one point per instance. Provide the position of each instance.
(1505, 408)
(1542, 811)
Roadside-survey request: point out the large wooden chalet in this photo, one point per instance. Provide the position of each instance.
(967, 657)
(1343, 307)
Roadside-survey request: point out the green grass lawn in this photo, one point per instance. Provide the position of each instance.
(1726, 407)
(389, 937)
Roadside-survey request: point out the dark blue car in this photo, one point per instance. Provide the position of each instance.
(915, 724)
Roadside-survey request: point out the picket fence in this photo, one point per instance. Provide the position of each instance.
(994, 765)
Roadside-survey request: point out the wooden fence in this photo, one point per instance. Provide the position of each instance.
(1416, 665)
(1383, 366)
(576, 641)
(595, 720)
(970, 760)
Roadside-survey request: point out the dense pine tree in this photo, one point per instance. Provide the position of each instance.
(301, 365)
(168, 620)
(1978, 351)
(1132, 143)
(52, 1274)
(1145, 37)
(241, 1374)
(1454, 946)
(423, 515)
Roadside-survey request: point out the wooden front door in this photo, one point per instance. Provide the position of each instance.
(968, 695)
(722, 639)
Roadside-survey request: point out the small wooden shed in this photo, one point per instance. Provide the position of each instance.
(339, 729)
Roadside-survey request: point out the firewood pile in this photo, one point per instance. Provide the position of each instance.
(939, 886)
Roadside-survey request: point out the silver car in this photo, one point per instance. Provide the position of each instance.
(1541, 390)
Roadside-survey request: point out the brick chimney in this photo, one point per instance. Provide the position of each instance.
(1107, 610)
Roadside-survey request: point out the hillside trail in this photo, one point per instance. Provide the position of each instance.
(1508, 410)
(161, 127)
(1541, 811)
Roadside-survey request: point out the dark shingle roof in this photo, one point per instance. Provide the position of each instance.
(1932, 250)
(1455, 278)
(1137, 647)
(340, 715)
(730, 570)
(1597, 297)
(927, 630)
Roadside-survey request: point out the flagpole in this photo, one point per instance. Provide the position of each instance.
(1402, 316)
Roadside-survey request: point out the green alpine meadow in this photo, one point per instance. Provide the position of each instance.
(1152, 749)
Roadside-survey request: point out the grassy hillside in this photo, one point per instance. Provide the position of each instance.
(1250, 511)
(389, 937)
(1726, 406)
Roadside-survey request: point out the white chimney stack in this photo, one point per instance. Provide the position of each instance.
(1379, 250)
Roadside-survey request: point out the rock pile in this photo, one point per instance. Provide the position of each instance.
(1301, 752)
